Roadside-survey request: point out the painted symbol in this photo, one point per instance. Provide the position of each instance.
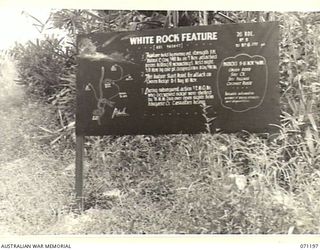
(114, 67)
(129, 78)
(104, 102)
(118, 112)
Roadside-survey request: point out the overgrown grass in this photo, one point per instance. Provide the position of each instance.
(195, 184)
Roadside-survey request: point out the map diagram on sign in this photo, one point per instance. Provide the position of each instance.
(106, 99)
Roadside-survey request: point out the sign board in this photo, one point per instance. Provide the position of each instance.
(179, 80)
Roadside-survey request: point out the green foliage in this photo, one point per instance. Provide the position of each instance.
(200, 184)
(299, 81)
(89, 21)
(47, 70)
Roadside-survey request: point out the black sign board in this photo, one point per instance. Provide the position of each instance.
(179, 80)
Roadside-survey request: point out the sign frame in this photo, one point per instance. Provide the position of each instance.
(80, 136)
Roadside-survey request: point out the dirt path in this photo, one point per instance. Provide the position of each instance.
(18, 116)
(23, 122)
(12, 109)
(33, 183)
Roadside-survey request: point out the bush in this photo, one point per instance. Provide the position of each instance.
(47, 69)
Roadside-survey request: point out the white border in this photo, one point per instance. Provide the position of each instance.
(231, 5)
(265, 89)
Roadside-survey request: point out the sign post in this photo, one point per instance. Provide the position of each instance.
(79, 172)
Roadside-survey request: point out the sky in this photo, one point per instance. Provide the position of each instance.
(16, 26)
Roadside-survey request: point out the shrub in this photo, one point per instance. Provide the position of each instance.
(47, 69)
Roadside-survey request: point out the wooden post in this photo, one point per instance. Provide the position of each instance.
(79, 171)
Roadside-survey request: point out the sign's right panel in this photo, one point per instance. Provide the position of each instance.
(247, 79)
